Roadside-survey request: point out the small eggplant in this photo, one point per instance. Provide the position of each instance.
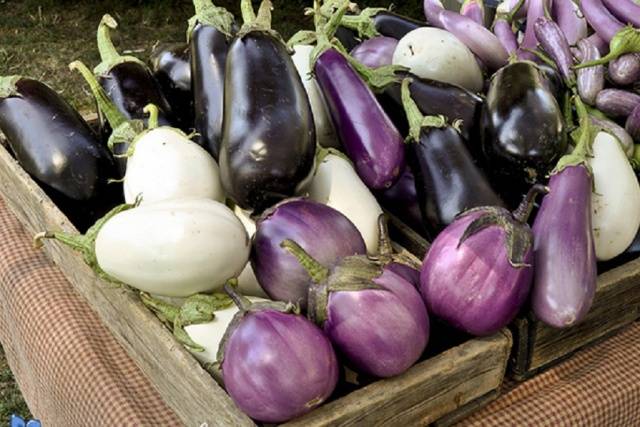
(276, 365)
(375, 22)
(478, 271)
(375, 52)
(209, 33)
(535, 9)
(617, 103)
(402, 201)
(590, 80)
(633, 124)
(268, 138)
(627, 11)
(447, 180)
(625, 70)
(554, 42)
(327, 234)
(504, 32)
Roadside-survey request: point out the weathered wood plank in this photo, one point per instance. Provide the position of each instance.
(466, 410)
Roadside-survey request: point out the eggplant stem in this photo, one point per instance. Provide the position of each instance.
(211, 15)
(363, 23)
(153, 112)
(108, 52)
(384, 242)
(627, 40)
(417, 121)
(317, 271)
(166, 310)
(248, 14)
(521, 214)
(243, 303)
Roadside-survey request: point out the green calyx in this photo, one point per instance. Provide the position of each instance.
(417, 121)
(316, 271)
(386, 254)
(8, 86)
(260, 22)
(108, 53)
(583, 137)
(206, 13)
(363, 23)
(323, 152)
(627, 40)
(326, 27)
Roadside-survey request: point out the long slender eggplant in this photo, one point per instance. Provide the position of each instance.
(447, 180)
(127, 80)
(523, 126)
(268, 139)
(170, 64)
(570, 20)
(555, 43)
(209, 36)
(374, 22)
(504, 32)
(55, 145)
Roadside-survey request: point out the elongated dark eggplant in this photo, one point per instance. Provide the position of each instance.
(447, 180)
(211, 30)
(522, 124)
(268, 139)
(53, 143)
(171, 67)
(377, 21)
(127, 80)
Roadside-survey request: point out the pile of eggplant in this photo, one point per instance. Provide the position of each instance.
(238, 182)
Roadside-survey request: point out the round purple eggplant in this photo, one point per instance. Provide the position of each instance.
(375, 52)
(322, 231)
(478, 271)
(276, 365)
(625, 70)
(617, 102)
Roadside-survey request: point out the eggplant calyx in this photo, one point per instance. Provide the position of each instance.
(257, 23)
(583, 149)
(417, 121)
(108, 53)
(522, 212)
(153, 112)
(8, 86)
(627, 40)
(316, 271)
(377, 79)
(323, 152)
(206, 13)
(326, 27)
(386, 254)
(363, 23)
(302, 37)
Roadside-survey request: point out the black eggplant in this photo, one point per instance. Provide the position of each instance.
(54, 144)
(171, 67)
(127, 80)
(348, 38)
(268, 141)
(522, 123)
(447, 180)
(210, 31)
(373, 22)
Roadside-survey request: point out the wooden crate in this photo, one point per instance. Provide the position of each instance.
(458, 378)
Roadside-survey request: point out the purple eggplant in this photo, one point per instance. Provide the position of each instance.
(401, 264)
(374, 22)
(402, 201)
(617, 102)
(536, 9)
(323, 231)
(633, 124)
(513, 9)
(601, 20)
(570, 20)
(503, 30)
(375, 52)
(625, 70)
(627, 11)
(591, 79)
(554, 42)
(478, 272)
(372, 315)
(276, 365)
(432, 11)
(473, 9)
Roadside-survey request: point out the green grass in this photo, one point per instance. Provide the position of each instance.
(11, 401)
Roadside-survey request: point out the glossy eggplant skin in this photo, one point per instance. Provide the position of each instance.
(171, 68)
(522, 130)
(209, 47)
(447, 180)
(268, 140)
(393, 25)
(347, 37)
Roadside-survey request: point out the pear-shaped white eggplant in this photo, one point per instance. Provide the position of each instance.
(174, 248)
(247, 282)
(337, 184)
(325, 131)
(616, 198)
(166, 165)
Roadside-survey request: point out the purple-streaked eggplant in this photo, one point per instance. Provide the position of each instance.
(625, 70)
(632, 125)
(554, 42)
(473, 9)
(375, 52)
(617, 102)
(54, 144)
(373, 316)
(268, 138)
(478, 272)
(402, 201)
(447, 180)
(523, 129)
(323, 231)
(627, 11)
(590, 80)
(276, 365)
(209, 33)
(570, 20)
(374, 22)
(504, 32)
(625, 140)
(535, 10)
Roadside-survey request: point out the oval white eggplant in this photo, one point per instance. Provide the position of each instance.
(166, 165)
(432, 53)
(174, 248)
(337, 184)
(616, 198)
(325, 131)
(247, 281)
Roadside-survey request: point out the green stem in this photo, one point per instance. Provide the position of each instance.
(627, 40)
(384, 242)
(111, 112)
(635, 160)
(166, 310)
(77, 242)
(153, 112)
(521, 214)
(213, 16)
(317, 271)
(243, 303)
(108, 52)
(248, 14)
(417, 121)
(363, 23)
(515, 10)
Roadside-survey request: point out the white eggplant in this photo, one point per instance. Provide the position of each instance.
(337, 184)
(173, 248)
(432, 53)
(325, 131)
(616, 198)
(247, 281)
(166, 165)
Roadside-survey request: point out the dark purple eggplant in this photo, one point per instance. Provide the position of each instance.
(209, 36)
(54, 144)
(347, 38)
(373, 22)
(375, 52)
(447, 180)
(617, 102)
(633, 124)
(170, 64)
(554, 42)
(591, 79)
(625, 70)
(552, 80)
(522, 124)
(268, 139)
(402, 201)
(127, 80)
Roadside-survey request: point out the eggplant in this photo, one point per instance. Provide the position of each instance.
(554, 42)
(171, 67)
(625, 70)
(375, 52)
(347, 38)
(54, 144)
(570, 20)
(504, 32)
(210, 31)
(268, 138)
(590, 80)
(627, 11)
(535, 9)
(374, 22)
(633, 124)
(522, 124)
(617, 103)
(625, 140)
(473, 9)
(447, 180)
(402, 201)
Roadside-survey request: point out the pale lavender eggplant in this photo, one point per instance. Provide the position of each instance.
(626, 141)
(617, 102)
(502, 29)
(565, 261)
(554, 42)
(277, 365)
(599, 43)
(633, 124)
(474, 10)
(375, 52)
(570, 20)
(625, 70)
(535, 10)
(590, 79)
(432, 10)
(627, 11)
(601, 20)
(323, 231)
(368, 135)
